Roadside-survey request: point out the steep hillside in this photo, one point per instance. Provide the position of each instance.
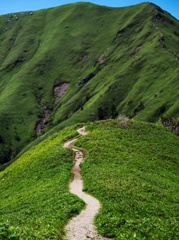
(36, 203)
(84, 62)
(132, 169)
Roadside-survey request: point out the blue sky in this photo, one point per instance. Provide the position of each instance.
(9, 6)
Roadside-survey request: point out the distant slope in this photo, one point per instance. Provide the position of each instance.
(132, 169)
(116, 61)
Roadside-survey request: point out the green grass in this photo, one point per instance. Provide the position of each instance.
(35, 198)
(64, 44)
(132, 168)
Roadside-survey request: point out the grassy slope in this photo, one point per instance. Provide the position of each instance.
(132, 169)
(34, 191)
(137, 78)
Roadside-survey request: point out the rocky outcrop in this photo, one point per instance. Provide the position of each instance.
(44, 120)
(171, 123)
(59, 91)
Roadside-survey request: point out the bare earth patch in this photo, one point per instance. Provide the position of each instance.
(59, 91)
(81, 227)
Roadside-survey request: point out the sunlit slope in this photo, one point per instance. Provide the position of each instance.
(117, 61)
(132, 168)
(35, 198)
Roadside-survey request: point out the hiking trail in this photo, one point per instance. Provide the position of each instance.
(81, 227)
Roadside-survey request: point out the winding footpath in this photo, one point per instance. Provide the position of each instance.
(81, 227)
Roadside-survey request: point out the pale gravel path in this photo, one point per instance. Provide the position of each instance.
(81, 227)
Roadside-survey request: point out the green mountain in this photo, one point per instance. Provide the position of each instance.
(82, 62)
(70, 66)
(132, 168)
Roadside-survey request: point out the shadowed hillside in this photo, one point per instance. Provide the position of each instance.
(83, 62)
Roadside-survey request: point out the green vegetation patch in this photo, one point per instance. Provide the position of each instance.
(35, 198)
(132, 169)
(115, 60)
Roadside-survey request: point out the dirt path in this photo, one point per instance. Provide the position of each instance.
(81, 227)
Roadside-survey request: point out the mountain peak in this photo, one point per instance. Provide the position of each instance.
(107, 61)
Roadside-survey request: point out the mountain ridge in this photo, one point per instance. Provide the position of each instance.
(107, 76)
(132, 169)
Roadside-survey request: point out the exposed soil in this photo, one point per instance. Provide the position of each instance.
(59, 92)
(101, 59)
(43, 121)
(81, 227)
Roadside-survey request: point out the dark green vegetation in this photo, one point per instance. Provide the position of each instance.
(35, 198)
(132, 169)
(117, 61)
